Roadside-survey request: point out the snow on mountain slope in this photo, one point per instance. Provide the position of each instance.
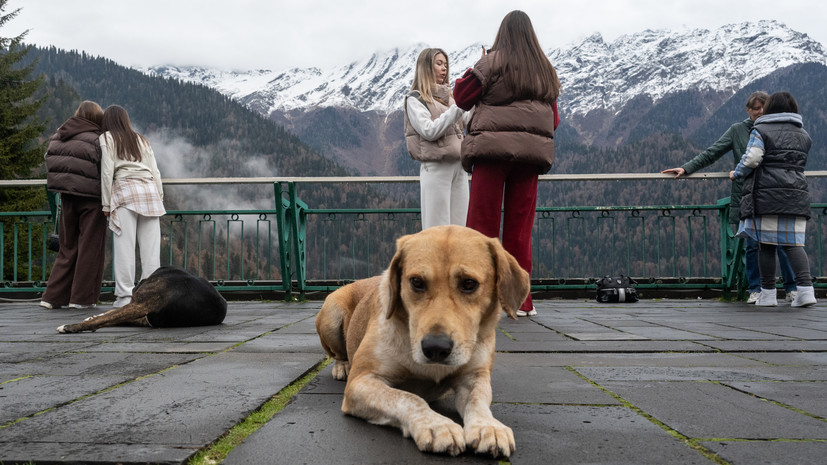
(594, 74)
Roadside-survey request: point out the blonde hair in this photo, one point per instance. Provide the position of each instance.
(424, 78)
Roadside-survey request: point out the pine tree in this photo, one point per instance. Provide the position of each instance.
(20, 152)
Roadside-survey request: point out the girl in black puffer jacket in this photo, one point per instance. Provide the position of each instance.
(775, 204)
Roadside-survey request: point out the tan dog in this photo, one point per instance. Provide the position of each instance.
(424, 328)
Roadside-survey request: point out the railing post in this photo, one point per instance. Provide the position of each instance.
(285, 249)
(732, 255)
(298, 214)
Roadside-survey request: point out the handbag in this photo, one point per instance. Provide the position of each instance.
(619, 288)
(54, 243)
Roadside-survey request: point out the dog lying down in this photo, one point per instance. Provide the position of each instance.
(423, 329)
(169, 297)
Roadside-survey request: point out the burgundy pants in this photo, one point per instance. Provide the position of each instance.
(78, 270)
(509, 188)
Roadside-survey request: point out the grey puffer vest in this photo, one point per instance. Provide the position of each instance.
(778, 185)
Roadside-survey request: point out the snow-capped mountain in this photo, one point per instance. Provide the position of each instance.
(594, 74)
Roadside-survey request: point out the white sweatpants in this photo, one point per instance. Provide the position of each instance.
(443, 190)
(147, 231)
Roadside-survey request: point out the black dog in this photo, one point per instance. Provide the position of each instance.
(169, 297)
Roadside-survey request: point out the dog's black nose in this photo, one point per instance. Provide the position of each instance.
(437, 347)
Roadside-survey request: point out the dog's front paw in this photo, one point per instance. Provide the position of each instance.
(492, 438)
(442, 436)
(341, 369)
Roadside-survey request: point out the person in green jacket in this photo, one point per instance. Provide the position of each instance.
(735, 140)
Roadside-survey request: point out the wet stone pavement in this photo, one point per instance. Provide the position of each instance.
(654, 382)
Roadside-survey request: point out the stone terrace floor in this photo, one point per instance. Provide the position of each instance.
(655, 382)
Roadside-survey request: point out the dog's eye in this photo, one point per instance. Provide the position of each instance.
(469, 285)
(418, 284)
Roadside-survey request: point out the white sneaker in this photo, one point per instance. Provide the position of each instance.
(82, 305)
(121, 301)
(531, 312)
(47, 305)
(753, 297)
(805, 297)
(767, 298)
(790, 296)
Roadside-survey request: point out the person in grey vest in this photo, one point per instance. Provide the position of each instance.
(775, 201)
(735, 140)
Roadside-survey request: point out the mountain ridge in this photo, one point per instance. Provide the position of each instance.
(596, 75)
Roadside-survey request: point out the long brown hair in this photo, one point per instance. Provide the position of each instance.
(116, 121)
(526, 69)
(424, 78)
(91, 111)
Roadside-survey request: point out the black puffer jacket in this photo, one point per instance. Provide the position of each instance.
(73, 159)
(778, 186)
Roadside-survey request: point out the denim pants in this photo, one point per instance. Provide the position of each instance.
(754, 275)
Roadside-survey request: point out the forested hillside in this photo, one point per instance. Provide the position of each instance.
(194, 129)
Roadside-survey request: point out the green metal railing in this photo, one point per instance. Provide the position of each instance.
(312, 250)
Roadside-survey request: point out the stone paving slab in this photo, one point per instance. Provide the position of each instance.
(794, 359)
(705, 410)
(810, 397)
(710, 370)
(768, 346)
(184, 407)
(312, 429)
(504, 344)
(623, 359)
(313, 426)
(554, 384)
(769, 453)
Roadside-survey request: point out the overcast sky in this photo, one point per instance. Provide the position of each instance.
(280, 34)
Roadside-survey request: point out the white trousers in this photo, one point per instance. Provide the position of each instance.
(443, 194)
(147, 231)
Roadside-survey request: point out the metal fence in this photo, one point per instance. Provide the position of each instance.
(296, 249)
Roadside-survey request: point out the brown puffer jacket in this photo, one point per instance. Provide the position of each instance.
(73, 159)
(504, 129)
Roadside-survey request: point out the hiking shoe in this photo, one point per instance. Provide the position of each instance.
(47, 305)
(753, 297)
(531, 312)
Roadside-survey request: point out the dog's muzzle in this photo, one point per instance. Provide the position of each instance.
(437, 347)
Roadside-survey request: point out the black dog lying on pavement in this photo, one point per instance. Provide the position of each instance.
(169, 297)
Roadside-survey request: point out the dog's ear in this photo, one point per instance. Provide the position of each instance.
(392, 280)
(513, 282)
